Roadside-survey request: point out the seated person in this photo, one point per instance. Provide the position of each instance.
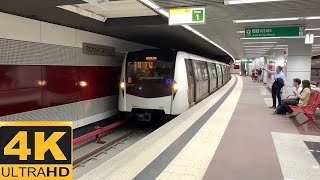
(304, 97)
(316, 88)
(291, 99)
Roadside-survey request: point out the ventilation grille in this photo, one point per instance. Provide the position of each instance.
(14, 52)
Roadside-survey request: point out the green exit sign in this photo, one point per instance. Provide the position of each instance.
(288, 31)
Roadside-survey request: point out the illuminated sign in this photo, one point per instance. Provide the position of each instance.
(183, 16)
(151, 58)
(36, 150)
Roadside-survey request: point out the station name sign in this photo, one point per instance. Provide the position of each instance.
(100, 50)
(287, 31)
(184, 16)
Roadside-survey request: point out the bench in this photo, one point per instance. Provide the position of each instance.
(310, 109)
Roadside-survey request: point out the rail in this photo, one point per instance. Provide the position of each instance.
(97, 132)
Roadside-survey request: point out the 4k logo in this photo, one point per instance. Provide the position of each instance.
(31, 150)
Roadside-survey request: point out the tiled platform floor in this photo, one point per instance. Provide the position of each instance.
(253, 143)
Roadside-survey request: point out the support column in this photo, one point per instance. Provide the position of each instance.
(299, 62)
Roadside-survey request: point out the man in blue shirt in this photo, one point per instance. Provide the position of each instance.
(277, 85)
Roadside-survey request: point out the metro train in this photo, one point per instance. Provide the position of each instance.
(167, 82)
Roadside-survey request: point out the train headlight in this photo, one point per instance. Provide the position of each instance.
(122, 85)
(175, 86)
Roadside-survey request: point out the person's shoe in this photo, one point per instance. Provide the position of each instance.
(275, 112)
(272, 107)
(290, 116)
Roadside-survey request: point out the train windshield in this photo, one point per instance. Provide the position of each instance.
(150, 74)
(146, 70)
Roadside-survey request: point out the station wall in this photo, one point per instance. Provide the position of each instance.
(42, 68)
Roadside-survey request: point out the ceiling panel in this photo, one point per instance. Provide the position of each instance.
(150, 30)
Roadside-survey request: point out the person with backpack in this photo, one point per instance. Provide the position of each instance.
(277, 85)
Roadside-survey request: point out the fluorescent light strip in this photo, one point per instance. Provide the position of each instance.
(233, 2)
(259, 49)
(151, 4)
(276, 19)
(294, 37)
(210, 41)
(313, 29)
(258, 46)
(155, 7)
(280, 48)
(260, 42)
(83, 12)
(240, 32)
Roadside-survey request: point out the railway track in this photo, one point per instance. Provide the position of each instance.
(102, 150)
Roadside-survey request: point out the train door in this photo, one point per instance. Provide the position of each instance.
(219, 75)
(214, 83)
(198, 80)
(191, 82)
(210, 77)
(223, 74)
(205, 79)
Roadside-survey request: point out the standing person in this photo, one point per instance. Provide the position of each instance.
(277, 85)
(252, 74)
(255, 75)
(260, 75)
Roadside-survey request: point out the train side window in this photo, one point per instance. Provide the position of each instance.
(204, 71)
(211, 75)
(213, 68)
(197, 71)
(218, 69)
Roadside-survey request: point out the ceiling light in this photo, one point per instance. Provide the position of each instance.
(309, 39)
(83, 12)
(312, 17)
(313, 29)
(207, 39)
(294, 37)
(257, 49)
(232, 2)
(282, 45)
(164, 13)
(155, 7)
(240, 32)
(260, 42)
(280, 48)
(266, 20)
(150, 4)
(277, 19)
(258, 46)
(315, 45)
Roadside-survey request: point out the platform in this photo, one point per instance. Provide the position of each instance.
(230, 135)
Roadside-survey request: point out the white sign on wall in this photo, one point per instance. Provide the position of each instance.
(184, 16)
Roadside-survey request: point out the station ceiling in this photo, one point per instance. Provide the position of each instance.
(220, 27)
(152, 29)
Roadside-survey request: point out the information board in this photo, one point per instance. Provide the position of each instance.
(288, 31)
(184, 16)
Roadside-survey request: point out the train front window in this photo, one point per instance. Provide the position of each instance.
(149, 70)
